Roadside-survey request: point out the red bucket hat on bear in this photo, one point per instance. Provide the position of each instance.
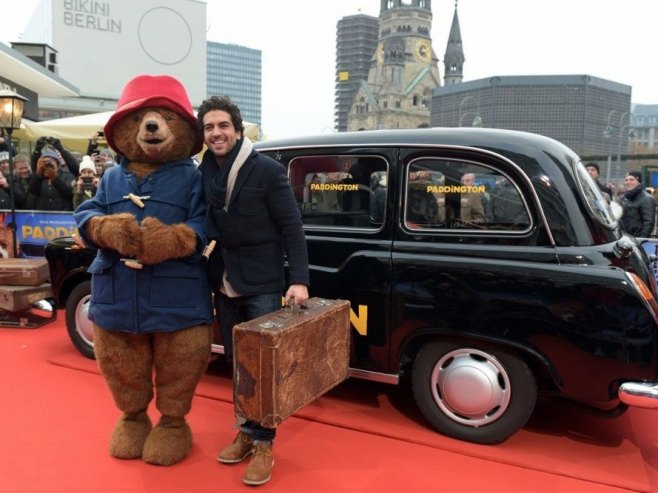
(150, 91)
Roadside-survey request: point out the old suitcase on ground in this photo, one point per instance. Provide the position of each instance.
(286, 359)
(16, 298)
(23, 271)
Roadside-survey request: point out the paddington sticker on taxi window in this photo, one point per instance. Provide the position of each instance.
(335, 187)
(456, 189)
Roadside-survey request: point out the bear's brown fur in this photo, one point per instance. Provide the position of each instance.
(172, 361)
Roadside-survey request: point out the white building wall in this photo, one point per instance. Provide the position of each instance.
(103, 44)
(39, 28)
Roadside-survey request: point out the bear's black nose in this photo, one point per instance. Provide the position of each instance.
(151, 126)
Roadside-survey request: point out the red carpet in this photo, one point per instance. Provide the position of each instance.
(362, 437)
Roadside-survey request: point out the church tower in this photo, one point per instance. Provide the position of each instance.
(403, 71)
(453, 60)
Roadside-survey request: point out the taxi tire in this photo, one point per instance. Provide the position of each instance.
(505, 375)
(78, 325)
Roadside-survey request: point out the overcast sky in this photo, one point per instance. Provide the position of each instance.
(611, 39)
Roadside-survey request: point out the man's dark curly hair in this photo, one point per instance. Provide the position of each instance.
(223, 103)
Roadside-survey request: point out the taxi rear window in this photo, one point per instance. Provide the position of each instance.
(340, 191)
(446, 194)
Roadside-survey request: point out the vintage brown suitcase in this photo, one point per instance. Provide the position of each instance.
(16, 298)
(287, 359)
(23, 271)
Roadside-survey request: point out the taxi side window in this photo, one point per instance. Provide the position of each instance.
(449, 194)
(340, 191)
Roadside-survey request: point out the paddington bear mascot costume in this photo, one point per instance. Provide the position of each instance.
(150, 302)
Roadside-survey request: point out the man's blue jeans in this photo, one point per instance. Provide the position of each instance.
(232, 311)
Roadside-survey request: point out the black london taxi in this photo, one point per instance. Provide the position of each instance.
(483, 267)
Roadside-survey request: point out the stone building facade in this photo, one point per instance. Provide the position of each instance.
(403, 73)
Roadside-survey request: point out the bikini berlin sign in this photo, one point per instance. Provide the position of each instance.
(122, 38)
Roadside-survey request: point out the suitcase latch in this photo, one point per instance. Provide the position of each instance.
(270, 325)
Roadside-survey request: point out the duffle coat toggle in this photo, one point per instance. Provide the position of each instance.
(136, 199)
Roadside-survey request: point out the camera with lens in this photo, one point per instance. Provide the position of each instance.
(87, 183)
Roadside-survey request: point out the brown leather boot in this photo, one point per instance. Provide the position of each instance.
(238, 451)
(259, 470)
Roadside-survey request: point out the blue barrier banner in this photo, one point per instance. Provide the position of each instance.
(34, 229)
(652, 250)
(650, 247)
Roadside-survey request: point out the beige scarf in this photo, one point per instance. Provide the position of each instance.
(240, 159)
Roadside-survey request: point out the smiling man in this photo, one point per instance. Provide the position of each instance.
(639, 217)
(253, 216)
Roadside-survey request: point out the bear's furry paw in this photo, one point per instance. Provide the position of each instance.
(162, 242)
(119, 232)
(129, 435)
(169, 442)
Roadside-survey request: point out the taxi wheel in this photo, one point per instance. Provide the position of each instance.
(472, 394)
(78, 325)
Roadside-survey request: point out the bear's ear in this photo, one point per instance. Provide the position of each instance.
(124, 140)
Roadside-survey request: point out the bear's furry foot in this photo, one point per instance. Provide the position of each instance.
(169, 442)
(129, 435)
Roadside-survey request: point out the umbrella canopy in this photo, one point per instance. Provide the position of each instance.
(75, 131)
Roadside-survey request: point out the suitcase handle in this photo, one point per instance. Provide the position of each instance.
(289, 308)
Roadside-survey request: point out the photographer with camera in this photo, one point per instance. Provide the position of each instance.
(87, 183)
(101, 156)
(51, 184)
(92, 146)
(65, 159)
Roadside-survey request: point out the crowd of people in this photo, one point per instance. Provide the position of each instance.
(635, 206)
(52, 178)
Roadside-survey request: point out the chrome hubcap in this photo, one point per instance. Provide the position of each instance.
(83, 325)
(471, 387)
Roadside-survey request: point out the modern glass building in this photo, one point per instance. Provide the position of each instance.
(644, 122)
(236, 71)
(356, 41)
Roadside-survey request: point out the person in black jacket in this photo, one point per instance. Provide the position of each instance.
(51, 184)
(639, 208)
(22, 175)
(594, 171)
(6, 190)
(253, 216)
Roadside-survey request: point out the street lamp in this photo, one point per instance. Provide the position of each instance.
(461, 105)
(609, 130)
(11, 113)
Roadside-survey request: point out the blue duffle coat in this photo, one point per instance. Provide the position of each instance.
(158, 298)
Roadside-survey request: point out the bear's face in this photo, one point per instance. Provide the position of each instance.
(7, 243)
(155, 135)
